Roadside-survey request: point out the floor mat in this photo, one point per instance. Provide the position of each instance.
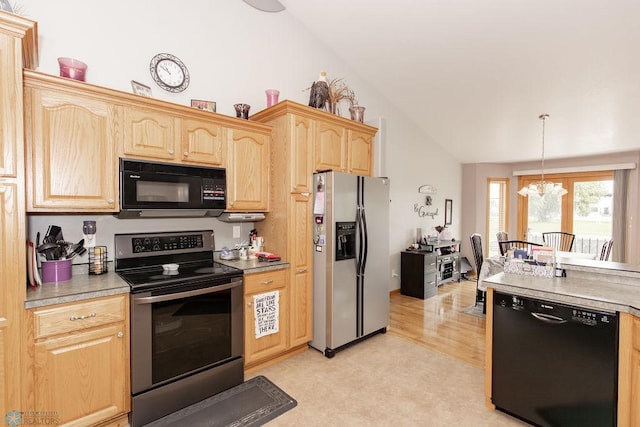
(251, 403)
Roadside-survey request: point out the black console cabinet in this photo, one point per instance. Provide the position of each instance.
(422, 271)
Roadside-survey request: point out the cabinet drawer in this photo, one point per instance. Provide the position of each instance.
(79, 316)
(430, 262)
(266, 281)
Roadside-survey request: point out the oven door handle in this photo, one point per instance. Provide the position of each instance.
(169, 297)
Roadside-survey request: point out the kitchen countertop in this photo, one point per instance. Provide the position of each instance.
(590, 284)
(82, 286)
(251, 266)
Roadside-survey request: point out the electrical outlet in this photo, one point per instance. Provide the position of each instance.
(394, 273)
(236, 231)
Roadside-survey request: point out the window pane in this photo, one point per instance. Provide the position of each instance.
(545, 214)
(592, 215)
(497, 214)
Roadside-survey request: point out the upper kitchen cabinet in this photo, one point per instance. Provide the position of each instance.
(158, 134)
(149, 133)
(328, 141)
(71, 140)
(75, 133)
(248, 171)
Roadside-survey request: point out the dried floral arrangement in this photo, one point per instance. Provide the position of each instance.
(351, 98)
(338, 90)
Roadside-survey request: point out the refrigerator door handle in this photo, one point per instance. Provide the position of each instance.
(364, 240)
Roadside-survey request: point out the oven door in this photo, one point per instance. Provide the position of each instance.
(178, 334)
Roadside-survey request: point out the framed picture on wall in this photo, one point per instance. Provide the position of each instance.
(448, 211)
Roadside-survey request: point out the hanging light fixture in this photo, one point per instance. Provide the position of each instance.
(266, 5)
(540, 188)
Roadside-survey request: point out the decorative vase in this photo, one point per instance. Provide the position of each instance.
(332, 107)
(242, 110)
(357, 113)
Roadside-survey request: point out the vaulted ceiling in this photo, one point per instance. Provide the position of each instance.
(475, 75)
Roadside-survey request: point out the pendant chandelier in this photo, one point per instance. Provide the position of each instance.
(542, 187)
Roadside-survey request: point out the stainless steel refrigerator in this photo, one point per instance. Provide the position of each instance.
(350, 259)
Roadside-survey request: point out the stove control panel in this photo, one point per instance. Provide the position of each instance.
(145, 245)
(166, 243)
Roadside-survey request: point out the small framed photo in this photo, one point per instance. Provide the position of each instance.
(140, 89)
(448, 211)
(204, 105)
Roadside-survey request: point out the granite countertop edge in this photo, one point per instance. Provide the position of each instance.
(594, 294)
(84, 286)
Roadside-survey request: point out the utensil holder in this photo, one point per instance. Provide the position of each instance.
(56, 271)
(98, 260)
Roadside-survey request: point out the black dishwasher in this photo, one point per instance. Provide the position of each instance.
(553, 364)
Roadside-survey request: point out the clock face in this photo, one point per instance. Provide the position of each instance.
(169, 72)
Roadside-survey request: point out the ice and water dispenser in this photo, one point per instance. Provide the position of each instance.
(345, 240)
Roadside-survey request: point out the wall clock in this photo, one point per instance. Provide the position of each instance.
(169, 72)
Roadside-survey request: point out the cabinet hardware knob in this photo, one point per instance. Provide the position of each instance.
(266, 282)
(84, 316)
(186, 154)
(120, 334)
(248, 304)
(302, 270)
(110, 201)
(170, 151)
(305, 194)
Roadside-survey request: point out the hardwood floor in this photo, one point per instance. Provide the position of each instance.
(437, 323)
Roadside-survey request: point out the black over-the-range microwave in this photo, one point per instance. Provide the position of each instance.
(152, 189)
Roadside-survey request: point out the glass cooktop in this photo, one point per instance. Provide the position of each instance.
(151, 276)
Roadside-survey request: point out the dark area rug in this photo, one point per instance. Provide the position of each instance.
(252, 403)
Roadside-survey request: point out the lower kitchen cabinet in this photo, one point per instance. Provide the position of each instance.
(81, 361)
(629, 371)
(258, 350)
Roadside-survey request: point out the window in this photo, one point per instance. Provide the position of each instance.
(585, 211)
(497, 210)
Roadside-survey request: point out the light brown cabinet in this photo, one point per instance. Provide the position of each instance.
(257, 350)
(71, 146)
(301, 259)
(629, 371)
(18, 49)
(81, 360)
(155, 135)
(305, 140)
(248, 178)
(75, 133)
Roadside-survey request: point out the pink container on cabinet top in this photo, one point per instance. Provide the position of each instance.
(72, 68)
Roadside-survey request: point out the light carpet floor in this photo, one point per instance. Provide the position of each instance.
(383, 381)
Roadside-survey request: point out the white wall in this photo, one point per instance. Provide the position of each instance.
(234, 53)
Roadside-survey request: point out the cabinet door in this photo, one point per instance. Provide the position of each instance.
(203, 142)
(258, 349)
(301, 271)
(71, 142)
(149, 134)
(330, 147)
(360, 153)
(301, 154)
(83, 376)
(248, 171)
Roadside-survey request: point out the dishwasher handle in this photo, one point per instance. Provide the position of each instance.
(549, 318)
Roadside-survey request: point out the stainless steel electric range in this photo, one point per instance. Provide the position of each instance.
(186, 321)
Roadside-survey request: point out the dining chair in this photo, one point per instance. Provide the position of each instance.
(476, 247)
(505, 245)
(502, 236)
(606, 250)
(559, 240)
